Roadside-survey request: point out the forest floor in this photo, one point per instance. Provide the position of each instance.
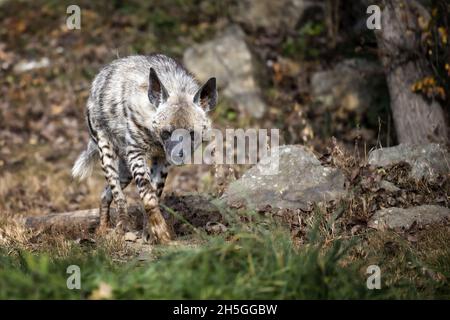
(257, 256)
(251, 255)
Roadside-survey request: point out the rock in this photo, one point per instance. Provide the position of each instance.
(130, 236)
(269, 15)
(399, 218)
(215, 227)
(301, 181)
(349, 85)
(427, 161)
(24, 66)
(388, 186)
(228, 58)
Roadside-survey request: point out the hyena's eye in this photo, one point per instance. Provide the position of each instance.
(165, 134)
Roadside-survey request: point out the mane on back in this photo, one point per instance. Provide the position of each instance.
(174, 76)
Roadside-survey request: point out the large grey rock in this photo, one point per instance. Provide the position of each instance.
(399, 218)
(349, 85)
(228, 58)
(301, 181)
(427, 161)
(269, 14)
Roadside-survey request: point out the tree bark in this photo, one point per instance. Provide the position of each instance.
(416, 119)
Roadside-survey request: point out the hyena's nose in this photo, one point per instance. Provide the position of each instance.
(165, 135)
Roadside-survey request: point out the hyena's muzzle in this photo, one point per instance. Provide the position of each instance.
(180, 144)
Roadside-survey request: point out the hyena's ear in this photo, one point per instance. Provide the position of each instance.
(157, 93)
(206, 96)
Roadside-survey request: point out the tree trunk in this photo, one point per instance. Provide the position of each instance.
(416, 119)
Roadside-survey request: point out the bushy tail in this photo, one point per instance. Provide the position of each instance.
(84, 165)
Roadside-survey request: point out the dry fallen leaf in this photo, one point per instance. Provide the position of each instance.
(104, 291)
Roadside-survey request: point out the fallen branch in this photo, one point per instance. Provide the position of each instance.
(195, 210)
(86, 220)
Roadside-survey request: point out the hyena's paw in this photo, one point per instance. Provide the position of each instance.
(159, 229)
(103, 229)
(123, 226)
(148, 238)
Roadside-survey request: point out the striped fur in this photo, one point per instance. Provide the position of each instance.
(135, 102)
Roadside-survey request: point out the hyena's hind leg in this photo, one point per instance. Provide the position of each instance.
(110, 165)
(107, 197)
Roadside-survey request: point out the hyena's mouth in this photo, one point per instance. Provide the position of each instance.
(176, 152)
(179, 148)
(180, 152)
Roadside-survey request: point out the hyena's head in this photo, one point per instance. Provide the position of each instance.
(181, 118)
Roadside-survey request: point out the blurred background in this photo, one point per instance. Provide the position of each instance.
(313, 69)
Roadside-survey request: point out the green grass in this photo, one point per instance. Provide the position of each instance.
(254, 266)
(260, 263)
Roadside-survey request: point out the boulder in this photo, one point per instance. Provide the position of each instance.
(403, 219)
(427, 161)
(269, 15)
(228, 58)
(300, 182)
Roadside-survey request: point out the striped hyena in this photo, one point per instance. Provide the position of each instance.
(134, 105)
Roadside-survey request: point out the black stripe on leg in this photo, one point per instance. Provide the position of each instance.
(134, 157)
(136, 165)
(107, 155)
(133, 145)
(160, 185)
(110, 167)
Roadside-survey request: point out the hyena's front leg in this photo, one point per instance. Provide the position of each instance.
(158, 173)
(110, 165)
(141, 175)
